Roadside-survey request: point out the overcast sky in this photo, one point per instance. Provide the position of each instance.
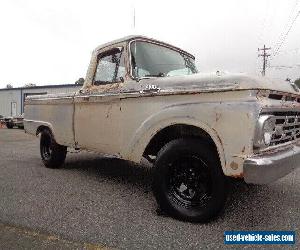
(50, 42)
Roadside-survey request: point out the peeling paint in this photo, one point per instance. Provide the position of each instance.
(104, 88)
(218, 116)
(109, 110)
(234, 165)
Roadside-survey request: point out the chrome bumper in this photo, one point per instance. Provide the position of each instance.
(269, 167)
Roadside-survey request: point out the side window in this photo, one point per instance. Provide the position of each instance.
(110, 67)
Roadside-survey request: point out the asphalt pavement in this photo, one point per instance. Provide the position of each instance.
(95, 201)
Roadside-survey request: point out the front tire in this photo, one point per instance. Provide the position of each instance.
(53, 155)
(189, 183)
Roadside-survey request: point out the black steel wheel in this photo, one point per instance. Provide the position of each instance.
(9, 125)
(53, 155)
(188, 182)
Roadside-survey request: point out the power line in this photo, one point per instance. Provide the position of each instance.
(133, 17)
(279, 44)
(265, 56)
(290, 17)
(289, 51)
(281, 67)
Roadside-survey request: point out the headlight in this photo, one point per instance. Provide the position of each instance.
(267, 138)
(264, 131)
(268, 130)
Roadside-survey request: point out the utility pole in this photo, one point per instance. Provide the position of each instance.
(133, 17)
(265, 58)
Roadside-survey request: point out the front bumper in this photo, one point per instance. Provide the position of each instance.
(269, 167)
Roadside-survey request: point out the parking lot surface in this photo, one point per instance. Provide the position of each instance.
(108, 202)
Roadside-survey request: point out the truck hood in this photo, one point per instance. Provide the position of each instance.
(211, 82)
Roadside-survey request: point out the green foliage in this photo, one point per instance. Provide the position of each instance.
(80, 81)
(297, 82)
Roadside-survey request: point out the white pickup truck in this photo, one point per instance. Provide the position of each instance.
(143, 98)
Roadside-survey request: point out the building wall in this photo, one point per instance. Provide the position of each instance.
(7, 96)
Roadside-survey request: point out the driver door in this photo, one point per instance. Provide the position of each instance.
(97, 111)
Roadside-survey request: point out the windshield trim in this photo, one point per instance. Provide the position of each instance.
(156, 43)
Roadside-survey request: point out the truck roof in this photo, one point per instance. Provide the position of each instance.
(133, 37)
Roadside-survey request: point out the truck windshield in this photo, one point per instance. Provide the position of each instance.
(152, 60)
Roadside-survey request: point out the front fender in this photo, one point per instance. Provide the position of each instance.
(150, 127)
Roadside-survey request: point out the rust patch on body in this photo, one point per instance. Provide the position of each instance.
(218, 116)
(104, 88)
(108, 111)
(241, 175)
(234, 165)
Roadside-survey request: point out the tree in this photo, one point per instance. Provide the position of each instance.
(297, 82)
(80, 81)
(9, 86)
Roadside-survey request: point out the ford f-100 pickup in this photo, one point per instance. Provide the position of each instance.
(144, 98)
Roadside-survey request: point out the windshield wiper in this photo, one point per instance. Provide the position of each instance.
(144, 77)
(158, 75)
(150, 76)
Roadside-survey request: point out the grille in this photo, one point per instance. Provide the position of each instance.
(286, 127)
(282, 97)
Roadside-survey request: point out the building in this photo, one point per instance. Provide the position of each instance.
(12, 100)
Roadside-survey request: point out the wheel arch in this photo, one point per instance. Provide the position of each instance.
(152, 138)
(40, 128)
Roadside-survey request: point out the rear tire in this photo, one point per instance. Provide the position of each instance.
(189, 183)
(53, 155)
(9, 125)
